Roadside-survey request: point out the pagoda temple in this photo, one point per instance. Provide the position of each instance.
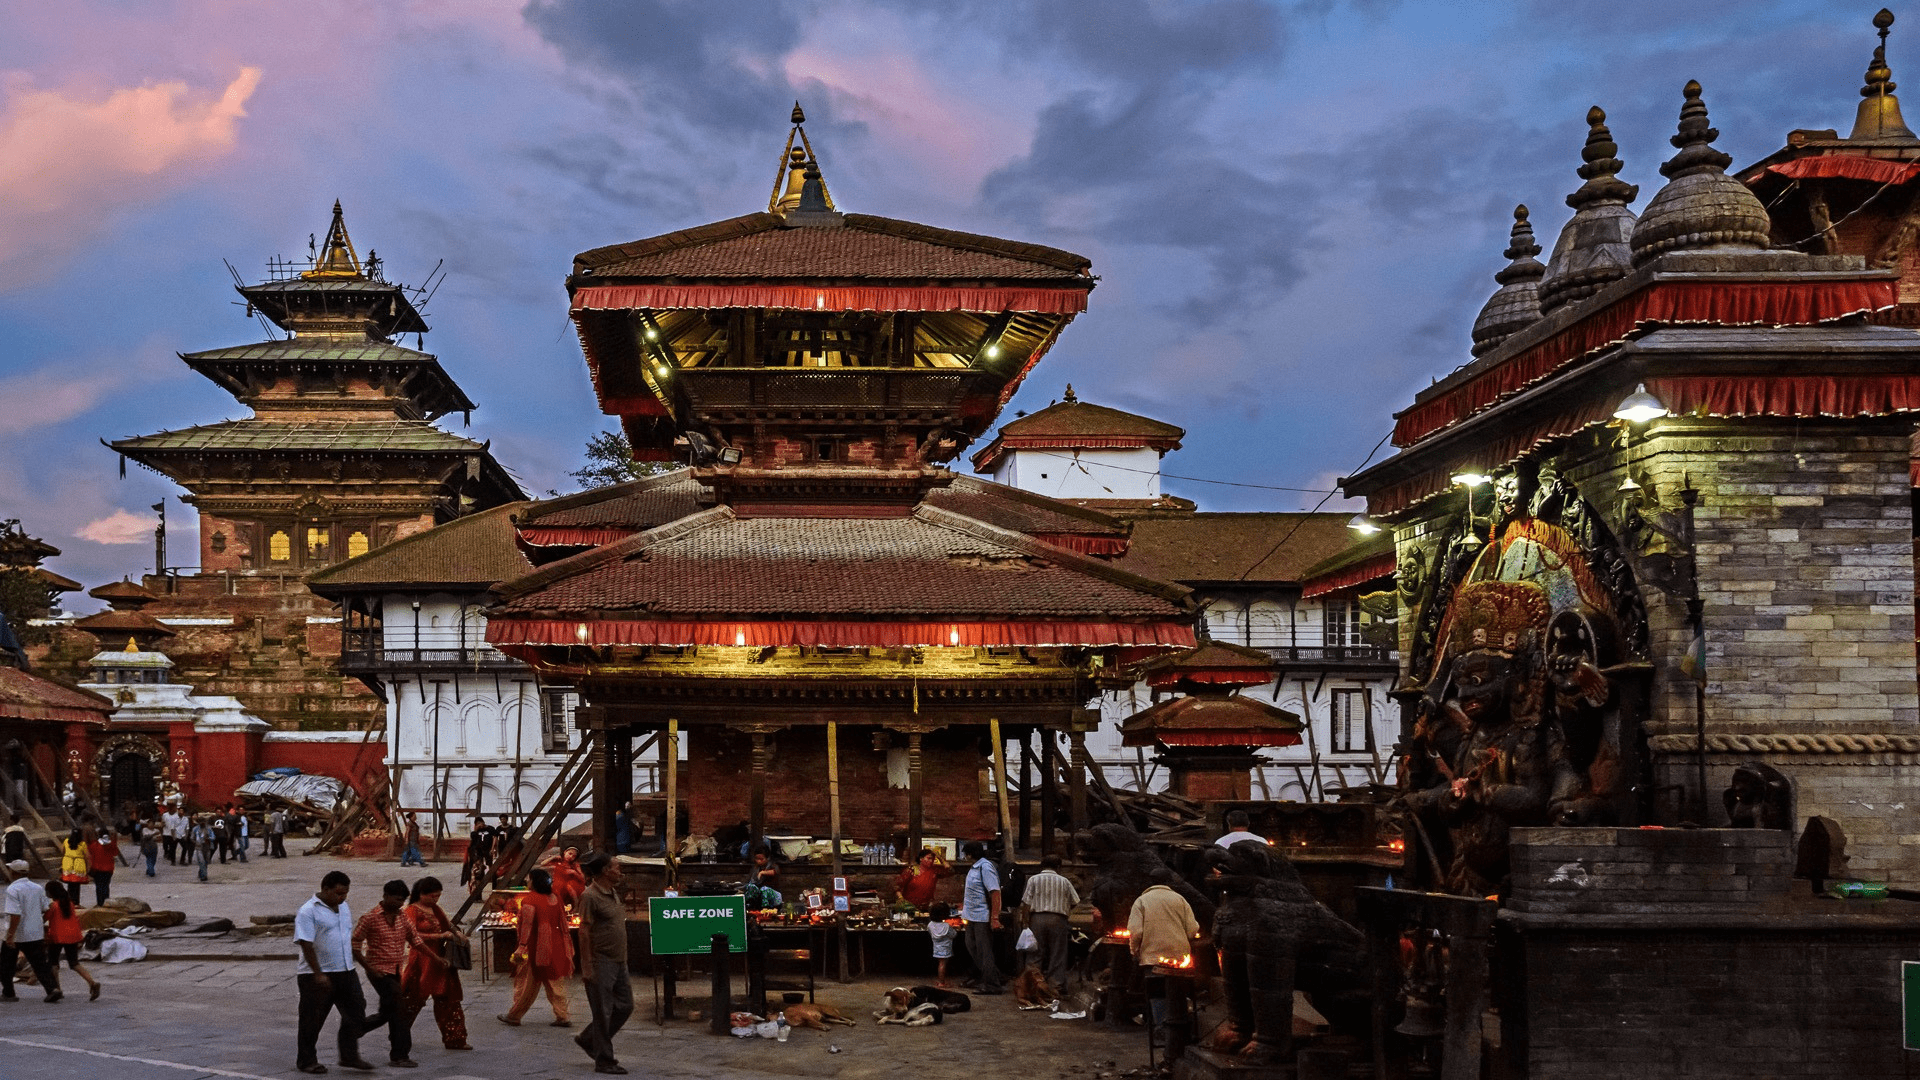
(340, 455)
(847, 631)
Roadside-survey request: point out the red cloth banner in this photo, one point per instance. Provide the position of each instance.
(1847, 167)
(1358, 574)
(1670, 303)
(830, 298)
(505, 632)
(572, 535)
(1711, 395)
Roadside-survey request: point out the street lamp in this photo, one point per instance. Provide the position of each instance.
(1363, 525)
(1638, 407)
(1471, 480)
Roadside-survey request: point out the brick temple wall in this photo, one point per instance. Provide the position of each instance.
(719, 773)
(1805, 554)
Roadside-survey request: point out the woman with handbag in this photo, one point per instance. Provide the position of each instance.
(434, 971)
(543, 958)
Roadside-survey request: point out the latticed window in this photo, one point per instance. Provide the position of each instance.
(357, 544)
(317, 543)
(556, 718)
(1342, 621)
(1352, 731)
(279, 546)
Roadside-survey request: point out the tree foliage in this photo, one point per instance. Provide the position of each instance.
(610, 461)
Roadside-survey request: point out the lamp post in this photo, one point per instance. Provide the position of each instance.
(1638, 408)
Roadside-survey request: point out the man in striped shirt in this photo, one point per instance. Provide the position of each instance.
(380, 942)
(1049, 899)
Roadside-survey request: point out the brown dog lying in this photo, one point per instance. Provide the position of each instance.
(814, 1016)
(1032, 990)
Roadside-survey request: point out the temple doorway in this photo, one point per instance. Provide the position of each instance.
(131, 781)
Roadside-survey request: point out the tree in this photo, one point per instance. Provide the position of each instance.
(24, 593)
(610, 461)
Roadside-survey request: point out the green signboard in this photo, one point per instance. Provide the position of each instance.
(1910, 1004)
(685, 925)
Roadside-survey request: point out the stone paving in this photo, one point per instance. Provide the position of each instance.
(224, 1006)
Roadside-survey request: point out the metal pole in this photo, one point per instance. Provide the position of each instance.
(670, 755)
(722, 986)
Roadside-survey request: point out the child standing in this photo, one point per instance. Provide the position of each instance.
(64, 935)
(942, 933)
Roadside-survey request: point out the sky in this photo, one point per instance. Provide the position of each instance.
(1295, 208)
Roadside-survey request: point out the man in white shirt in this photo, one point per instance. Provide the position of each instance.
(173, 830)
(23, 911)
(1237, 822)
(323, 929)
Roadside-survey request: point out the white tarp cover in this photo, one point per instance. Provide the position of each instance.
(322, 793)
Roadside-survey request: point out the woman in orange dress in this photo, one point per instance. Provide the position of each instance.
(543, 959)
(426, 974)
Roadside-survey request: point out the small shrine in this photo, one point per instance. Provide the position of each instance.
(1209, 735)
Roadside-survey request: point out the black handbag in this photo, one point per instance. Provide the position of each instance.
(459, 955)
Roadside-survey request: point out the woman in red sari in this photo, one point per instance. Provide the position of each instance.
(568, 880)
(426, 974)
(543, 959)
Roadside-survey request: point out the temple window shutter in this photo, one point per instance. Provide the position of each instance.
(279, 546)
(317, 543)
(357, 544)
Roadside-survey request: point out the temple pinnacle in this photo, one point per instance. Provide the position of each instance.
(1879, 118)
(799, 115)
(1701, 207)
(336, 258)
(1516, 304)
(1591, 251)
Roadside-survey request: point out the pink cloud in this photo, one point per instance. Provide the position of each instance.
(119, 527)
(67, 160)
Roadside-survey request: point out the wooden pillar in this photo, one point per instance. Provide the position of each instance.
(833, 827)
(600, 788)
(1026, 789)
(619, 744)
(1077, 778)
(757, 794)
(916, 794)
(1000, 786)
(670, 756)
(1049, 791)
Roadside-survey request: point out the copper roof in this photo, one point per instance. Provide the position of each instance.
(476, 551)
(123, 592)
(624, 508)
(762, 246)
(1249, 549)
(934, 563)
(1211, 721)
(25, 696)
(1216, 662)
(110, 626)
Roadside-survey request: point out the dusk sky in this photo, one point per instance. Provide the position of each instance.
(1295, 209)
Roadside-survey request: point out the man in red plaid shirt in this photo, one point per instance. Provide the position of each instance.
(380, 942)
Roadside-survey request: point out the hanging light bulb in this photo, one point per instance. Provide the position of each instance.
(1628, 484)
(1471, 480)
(1640, 406)
(1363, 525)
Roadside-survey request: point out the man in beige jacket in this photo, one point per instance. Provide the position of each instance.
(1161, 929)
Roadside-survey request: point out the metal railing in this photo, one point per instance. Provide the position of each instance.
(363, 650)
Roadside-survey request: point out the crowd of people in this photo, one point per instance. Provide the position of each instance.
(412, 953)
(41, 919)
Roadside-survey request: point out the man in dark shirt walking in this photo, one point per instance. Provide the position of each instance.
(603, 960)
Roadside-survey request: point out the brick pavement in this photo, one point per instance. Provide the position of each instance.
(214, 1012)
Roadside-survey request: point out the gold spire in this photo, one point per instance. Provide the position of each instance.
(1879, 118)
(336, 259)
(795, 160)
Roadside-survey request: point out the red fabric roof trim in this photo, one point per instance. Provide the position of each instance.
(1373, 569)
(1085, 545)
(1083, 442)
(1211, 738)
(1171, 676)
(1847, 167)
(839, 635)
(830, 298)
(1722, 303)
(1727, 396)
(570, 535)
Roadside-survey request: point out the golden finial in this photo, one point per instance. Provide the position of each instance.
(132, 646)
(1070, 399)
(337, 258)
(796, 160)
(1879, 117)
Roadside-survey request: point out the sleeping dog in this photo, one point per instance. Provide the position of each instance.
(920, 1005)
(1032, 990)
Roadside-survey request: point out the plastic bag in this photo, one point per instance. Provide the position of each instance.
(1026, 941)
